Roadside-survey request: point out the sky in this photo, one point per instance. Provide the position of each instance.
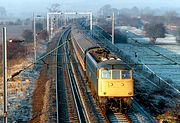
(23, 7)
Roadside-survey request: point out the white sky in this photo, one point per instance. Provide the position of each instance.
(29, 6)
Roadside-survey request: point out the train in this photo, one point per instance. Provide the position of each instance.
(110, 79)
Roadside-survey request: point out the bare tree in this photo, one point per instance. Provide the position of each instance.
(105, 10)
(154, 31)
(16, 50)
(135, 11)
(43, 35)
(18, 22)
(55, 8)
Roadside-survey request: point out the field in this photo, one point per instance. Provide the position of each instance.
(14, 31)
(21, 87)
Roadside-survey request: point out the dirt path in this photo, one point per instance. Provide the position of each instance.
(44, 95)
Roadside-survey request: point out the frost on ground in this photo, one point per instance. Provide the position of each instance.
(131, 29)
(20, 88)
(157, 97)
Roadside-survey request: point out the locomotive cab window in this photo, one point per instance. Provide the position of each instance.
(106, 74)
(126, 74)
(115, 74)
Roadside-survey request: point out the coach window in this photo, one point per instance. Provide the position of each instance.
(106, 74)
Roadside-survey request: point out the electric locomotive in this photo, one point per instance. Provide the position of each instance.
(110, 78)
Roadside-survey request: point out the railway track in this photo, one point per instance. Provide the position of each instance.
(117, 118)
(74, 91)
(94, 112)
(136, 114)
(68, 101)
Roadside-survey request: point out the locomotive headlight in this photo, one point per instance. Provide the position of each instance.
(130, 93)
(122, 84)
(111, 84)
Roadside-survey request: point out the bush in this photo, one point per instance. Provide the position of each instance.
(27, 35)
(43, 35)
(15, 50)
(154, 31)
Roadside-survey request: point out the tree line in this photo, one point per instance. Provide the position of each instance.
(153, 22)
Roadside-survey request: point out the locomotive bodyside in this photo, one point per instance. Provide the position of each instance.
(81, 46)
(91, 73)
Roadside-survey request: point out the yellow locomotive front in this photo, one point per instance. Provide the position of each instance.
(115, 83)
(110, 79)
